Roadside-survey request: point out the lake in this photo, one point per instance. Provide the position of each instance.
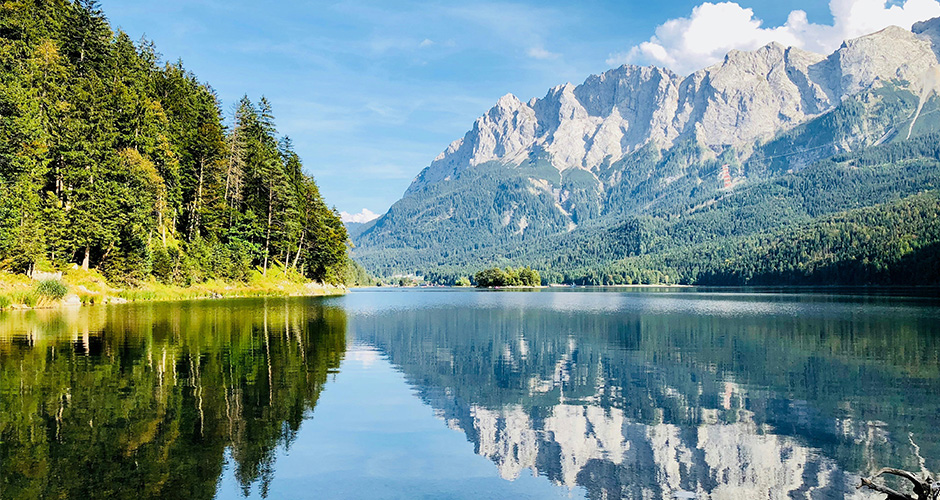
(451, 393)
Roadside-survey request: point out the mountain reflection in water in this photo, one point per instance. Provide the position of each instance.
(650, 396)
(605, 394)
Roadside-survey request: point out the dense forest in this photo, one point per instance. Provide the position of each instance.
(112, 159)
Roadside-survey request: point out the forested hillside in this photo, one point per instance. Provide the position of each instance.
(115, 160)
(867, 217)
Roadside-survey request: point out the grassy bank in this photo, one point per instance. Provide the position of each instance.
(80, 287)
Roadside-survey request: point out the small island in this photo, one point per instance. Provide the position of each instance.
(509, 277)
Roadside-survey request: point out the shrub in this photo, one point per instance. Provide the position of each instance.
(4, 302)
(53, 289)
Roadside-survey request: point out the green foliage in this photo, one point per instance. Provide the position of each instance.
(523, 276)
(356, 275)
(113, 160)
(463, 281)
(891, 244)
(53, 289)
(5, 302)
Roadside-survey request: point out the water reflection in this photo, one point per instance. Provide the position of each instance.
(628, 395)
(639, 396)
(151, 401)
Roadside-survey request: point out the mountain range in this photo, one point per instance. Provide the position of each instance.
(610, 180)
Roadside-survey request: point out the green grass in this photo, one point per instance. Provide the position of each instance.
(28, 298)
(92, 288)
(52, 289)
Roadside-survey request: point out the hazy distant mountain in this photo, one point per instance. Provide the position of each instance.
(643, 141)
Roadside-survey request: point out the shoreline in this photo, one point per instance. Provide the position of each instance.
(87, 288)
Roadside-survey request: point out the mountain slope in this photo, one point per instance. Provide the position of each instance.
(645, 142)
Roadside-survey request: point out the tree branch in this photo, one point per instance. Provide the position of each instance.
(924, 489)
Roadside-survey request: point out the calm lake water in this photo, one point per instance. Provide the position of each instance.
(470, 394)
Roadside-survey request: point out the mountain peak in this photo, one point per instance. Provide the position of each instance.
(749, 96)
(509, 101)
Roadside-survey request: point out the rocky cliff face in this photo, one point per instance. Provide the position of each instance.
(750, 96)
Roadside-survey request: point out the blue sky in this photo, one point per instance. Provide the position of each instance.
(371, 91)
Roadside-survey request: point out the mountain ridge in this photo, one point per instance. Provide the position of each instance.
(640, 140)
(726, 104)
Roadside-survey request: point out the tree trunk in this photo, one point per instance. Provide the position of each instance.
(58, 178)
(299, 247)
(267, 237)
(87, 257)
(924, 489)
(197, 203)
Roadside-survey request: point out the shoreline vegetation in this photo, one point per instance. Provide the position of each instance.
(78, 287)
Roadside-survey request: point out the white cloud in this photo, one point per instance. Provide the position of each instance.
(541, 53)
(364, 216)
(690, 43)
(427, 42)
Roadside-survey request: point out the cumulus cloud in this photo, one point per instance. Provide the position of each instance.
(690, 43)
(365, 215)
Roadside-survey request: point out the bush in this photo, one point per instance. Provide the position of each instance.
(4, 302)
(53, 289)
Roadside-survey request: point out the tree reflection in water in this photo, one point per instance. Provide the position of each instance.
(148, 401)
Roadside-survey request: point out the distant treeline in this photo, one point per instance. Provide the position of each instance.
(111, 159)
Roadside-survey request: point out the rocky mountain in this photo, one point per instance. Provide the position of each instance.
(750, 96)
(637, 140)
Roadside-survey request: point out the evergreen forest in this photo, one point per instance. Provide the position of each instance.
(867, 217)
(112, 159)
